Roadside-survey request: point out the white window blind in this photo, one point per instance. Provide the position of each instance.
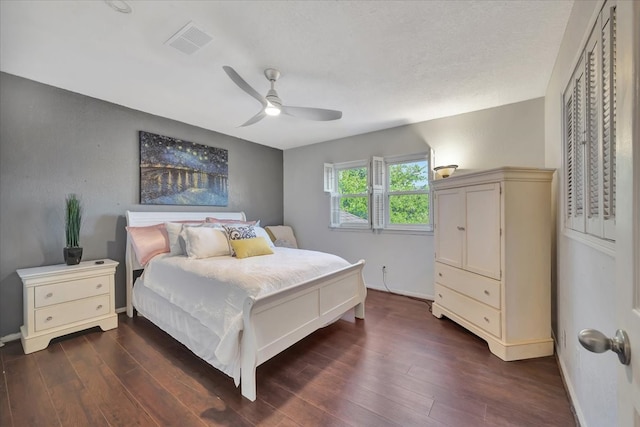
(589, 134)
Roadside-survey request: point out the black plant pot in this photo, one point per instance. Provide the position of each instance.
(72, 256)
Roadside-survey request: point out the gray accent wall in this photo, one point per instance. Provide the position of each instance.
(510, 135)
(54, 142)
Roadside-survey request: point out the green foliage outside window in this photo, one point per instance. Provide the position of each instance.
(352, 186)
(407, 192)
(405, 206)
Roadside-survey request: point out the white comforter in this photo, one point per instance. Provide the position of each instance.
(213, 290)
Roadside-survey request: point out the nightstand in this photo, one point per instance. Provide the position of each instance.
(61, 299)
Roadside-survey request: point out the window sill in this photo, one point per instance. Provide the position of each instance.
(605, 246)
(384, 231)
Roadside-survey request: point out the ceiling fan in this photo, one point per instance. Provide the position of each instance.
(272, 104)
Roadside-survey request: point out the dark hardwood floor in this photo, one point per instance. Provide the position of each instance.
(401, 366)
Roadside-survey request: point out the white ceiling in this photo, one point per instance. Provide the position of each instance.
(383, 63)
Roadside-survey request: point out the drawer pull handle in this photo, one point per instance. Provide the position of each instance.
(48, 319)
(460, 228)
(99, 307)
(99, 286)
(440, 295)
(49, 295)
(486, 292)
(486, 319)
(440, 274)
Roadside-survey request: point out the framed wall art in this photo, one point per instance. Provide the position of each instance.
(177, 172)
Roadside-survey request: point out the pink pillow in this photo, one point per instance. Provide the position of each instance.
(149, 241)
(230, 221)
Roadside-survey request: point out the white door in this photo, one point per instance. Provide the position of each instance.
(628, 207)
(627, 213)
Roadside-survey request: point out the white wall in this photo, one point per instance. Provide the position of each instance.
(584, 276)
(510, 135)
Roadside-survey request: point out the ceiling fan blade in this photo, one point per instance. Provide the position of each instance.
(254, 119)
(244, 85)
(319, 114)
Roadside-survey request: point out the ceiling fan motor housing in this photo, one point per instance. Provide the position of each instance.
(273, 98)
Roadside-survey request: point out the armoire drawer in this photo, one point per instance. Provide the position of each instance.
(481, 315)
(473, 285)
(72, 290)
(70, 312)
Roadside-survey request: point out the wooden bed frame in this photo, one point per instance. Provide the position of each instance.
(274, 322)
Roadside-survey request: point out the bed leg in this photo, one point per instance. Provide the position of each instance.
(359, 310)
(248, 384)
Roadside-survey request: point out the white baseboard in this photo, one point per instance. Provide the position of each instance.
(402, 292)
(572, 394)
(9, 338)
(121, 310)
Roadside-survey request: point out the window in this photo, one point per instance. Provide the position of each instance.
(407, 202)
(385, 193)
(350, 201)
(589, 118)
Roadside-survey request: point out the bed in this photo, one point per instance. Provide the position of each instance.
(268, 321)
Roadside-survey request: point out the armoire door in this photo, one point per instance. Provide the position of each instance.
(449, 220)
(481, 243)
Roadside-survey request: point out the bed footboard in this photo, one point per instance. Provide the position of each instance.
(277, 321)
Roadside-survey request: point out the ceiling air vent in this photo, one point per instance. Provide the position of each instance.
(189, 39)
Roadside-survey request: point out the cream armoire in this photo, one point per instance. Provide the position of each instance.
(492, 232)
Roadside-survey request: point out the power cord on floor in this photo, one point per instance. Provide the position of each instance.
(384, 282)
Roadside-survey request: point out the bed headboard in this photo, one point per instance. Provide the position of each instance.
(142, 219)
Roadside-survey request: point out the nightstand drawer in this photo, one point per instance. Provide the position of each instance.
(72, 290)
(74, 311)
(472, 285)
(481, 315)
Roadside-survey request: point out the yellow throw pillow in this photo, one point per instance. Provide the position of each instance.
(246, 248)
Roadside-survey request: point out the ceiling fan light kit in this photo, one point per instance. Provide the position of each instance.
(272, 104)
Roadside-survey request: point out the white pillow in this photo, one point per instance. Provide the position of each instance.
(173, 230)
(261, 232)
(205, 242)
(176, 240)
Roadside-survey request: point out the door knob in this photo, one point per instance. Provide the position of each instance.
(598, 342)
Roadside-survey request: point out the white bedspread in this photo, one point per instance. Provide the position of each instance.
(213, 290)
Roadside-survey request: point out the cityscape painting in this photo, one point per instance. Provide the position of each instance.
(177, 172)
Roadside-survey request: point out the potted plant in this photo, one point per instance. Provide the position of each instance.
(73, 221)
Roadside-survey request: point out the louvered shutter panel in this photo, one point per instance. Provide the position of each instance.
(609, 121)
(329, 178)
(335, 210)
(575, 148)
(592, 116)
(377, 194)
(569, 151)
(578, 131)
(589, 133)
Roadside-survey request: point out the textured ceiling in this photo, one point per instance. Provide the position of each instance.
(383, 63)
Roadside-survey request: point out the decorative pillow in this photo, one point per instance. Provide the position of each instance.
(261, 232)
(282, 233)
(281, 243)
(245, 248)
(148, 241)
(239, 232)
(176, 247)
(205, 242)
